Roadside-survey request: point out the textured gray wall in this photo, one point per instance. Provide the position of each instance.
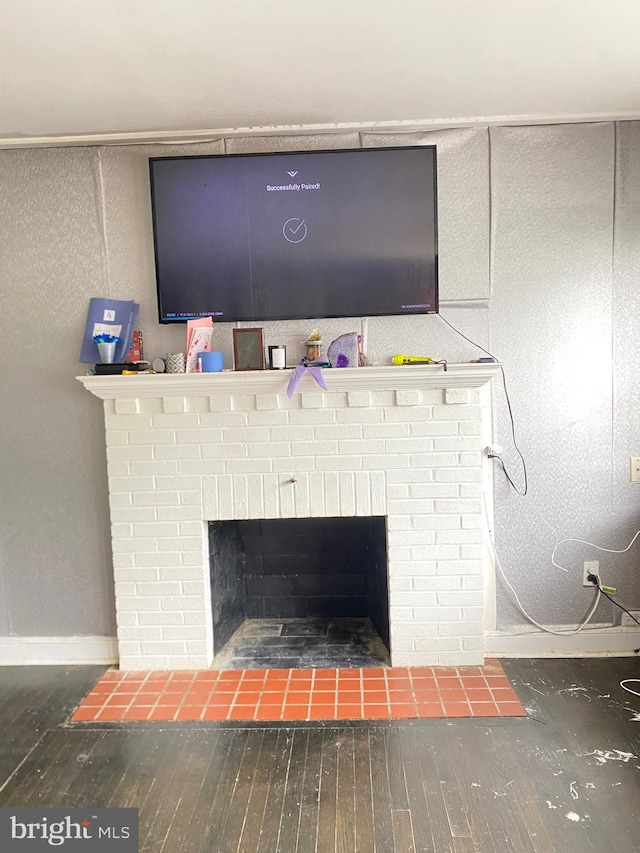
(531, 266)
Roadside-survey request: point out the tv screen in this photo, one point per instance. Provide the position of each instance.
(296, 235)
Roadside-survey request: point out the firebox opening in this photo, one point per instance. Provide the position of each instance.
(323, 578)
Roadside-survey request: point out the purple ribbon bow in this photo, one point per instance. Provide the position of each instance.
(298, 373)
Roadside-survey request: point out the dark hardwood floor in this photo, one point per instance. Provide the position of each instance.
(565, 779)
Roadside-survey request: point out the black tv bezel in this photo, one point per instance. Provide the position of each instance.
(289, 153)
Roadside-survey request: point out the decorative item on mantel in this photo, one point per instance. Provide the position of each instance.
(106, 347)
(344, 351)
(314, 346)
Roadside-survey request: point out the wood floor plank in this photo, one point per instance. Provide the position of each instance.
(266, 765)
(363, 790)
(289, 789)
(232, 821)
(272, 821)
(417, 801)
(327, 802)
(382, 820)
(308, 823)
(345, 841)
(403, 841)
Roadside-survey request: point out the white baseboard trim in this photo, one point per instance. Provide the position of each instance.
(605, 642)
(44, 651)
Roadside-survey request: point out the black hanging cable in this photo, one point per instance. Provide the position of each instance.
(524, 490)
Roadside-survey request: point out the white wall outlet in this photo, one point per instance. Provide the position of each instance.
(590, 568)
(628, 622)
(634, 469)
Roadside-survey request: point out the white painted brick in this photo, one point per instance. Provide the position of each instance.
(362, 482)
(195, 617)
(181, 632)
(265, 402)
(245, 435)
(340, 431)
(117, 437)
(470, 427)
(220, 403)
(293, 467)
(456, 396)
(471, 552)
(470, 459)
(243, 402)
(417, 506)
(472, 614)
(256, 496)
(174, 405)
(433, 429)
(338, 463)
(475, 643)
(271, 484)
(434, 460)
(472, 522)
(413, 475)
(361, 416)
(147, 588)
(181, 573)
(195, 587)
(177, 483)
(201, 467)
(378, 490)
(399, 522)
(245, 466)
(129, 647)
(408, 397)
(241, 496)
(411, 568)
(401, 644)
(401, 613)
(400, 584)
(270, 419)
(295, 433)
(138, 604)
(121, 530)
(302, 497)
(457, 506)
(135, 573)
(455, 442)
(472, 582)
(453, 475)
(269, 450)
(447, 552)
(140, 632)
(459, 567)
(408, 445)
(121, 500)
(135, 663)
(157, 528)
(182, 603)
(413, 629)
(127, 407)
(129, 453)
(163, 647)
(132, 545)
(123, 561)
(432, 490)
(313, 417)
(439, 645)
(359, 399)
(178, 452)
(460, 598)
(287, 500)
(130, 484)
(191, 528)
(178, 513)
(150, 469)
(160, 619)
(436, 584)
(383, 430)
(129, 422)
(152, 437)
(312, 400)
(413, 599)
(202, 436)
(398, 492)
(179, 544)
(126, 619)
(187, 662)
(123, 588)
(314, 448)
(458, 537)
(455, 413)
(373, 446)
(408, 414)
(347, 494)
(462, 629)
(177, 421)
(385, 462)
(118, 469)
(221, 420)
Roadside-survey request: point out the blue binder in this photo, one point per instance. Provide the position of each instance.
(112, 316)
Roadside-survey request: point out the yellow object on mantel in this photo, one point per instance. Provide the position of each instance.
(412, 359)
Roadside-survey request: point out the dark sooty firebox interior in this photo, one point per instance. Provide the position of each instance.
(314, 591)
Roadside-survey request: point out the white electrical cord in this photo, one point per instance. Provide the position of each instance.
(515, 594)
(626, 681)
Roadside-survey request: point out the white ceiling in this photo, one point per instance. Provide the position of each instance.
(112, 69)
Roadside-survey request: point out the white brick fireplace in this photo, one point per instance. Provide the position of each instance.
(400, 442)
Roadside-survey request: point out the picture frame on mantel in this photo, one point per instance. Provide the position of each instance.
(248, 349)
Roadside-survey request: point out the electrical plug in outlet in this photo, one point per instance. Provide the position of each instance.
(590, 568)
(634, 469)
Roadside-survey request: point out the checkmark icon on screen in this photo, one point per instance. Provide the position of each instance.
(295, 229)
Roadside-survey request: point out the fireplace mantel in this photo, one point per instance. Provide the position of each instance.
(403, 443)
(387, 377)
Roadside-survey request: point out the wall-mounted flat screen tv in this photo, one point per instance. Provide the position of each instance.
(296, 235)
